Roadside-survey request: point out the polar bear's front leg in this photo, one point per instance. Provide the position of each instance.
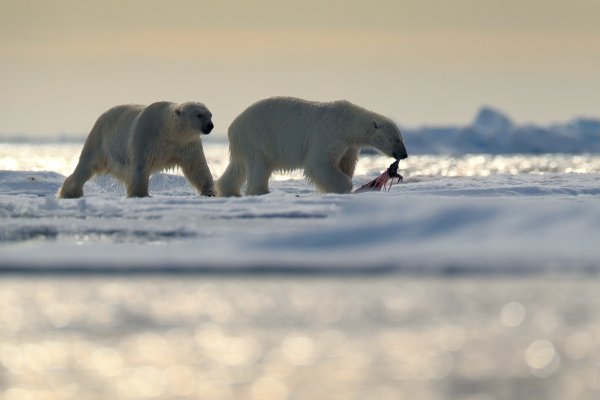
(329, 178)
(348, 162)
(195, 169)
(138, 183)
(200, 178)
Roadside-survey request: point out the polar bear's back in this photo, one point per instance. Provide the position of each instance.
(282, 112)
(119, 119)
(281, 128)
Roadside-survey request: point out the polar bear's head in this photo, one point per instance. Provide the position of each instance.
(195, 116)
(385, 136)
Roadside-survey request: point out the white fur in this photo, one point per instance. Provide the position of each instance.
(324, 139)
(132, 142)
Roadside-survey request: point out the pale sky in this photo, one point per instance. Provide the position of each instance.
(421, 62)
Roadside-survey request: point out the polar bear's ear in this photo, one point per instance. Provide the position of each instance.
(178, 111)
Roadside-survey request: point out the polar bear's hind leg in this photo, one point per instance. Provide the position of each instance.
(72, 187)
(258, 178)
(231, 181)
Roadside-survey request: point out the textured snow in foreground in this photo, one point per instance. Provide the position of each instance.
(501, 223)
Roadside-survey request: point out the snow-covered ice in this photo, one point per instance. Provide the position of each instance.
(455, 217)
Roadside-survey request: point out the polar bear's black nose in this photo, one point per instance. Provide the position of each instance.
(209, 127)
(400, 155)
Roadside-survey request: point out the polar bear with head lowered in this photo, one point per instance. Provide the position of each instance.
(132, 142)
(324, 139)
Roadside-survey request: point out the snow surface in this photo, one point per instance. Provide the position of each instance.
(430, 224)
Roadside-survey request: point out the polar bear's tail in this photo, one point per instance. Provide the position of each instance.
(231, 181)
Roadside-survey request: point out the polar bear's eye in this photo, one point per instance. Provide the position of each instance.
(199, 115)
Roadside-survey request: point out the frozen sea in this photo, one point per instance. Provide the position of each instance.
(476, 278)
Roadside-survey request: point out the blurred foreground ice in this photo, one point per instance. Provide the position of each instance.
(280, 338)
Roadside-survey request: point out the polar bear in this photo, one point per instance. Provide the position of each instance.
(286, 133)
(132, 142)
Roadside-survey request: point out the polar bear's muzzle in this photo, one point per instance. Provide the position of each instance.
(400, 154)
(207, 128)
